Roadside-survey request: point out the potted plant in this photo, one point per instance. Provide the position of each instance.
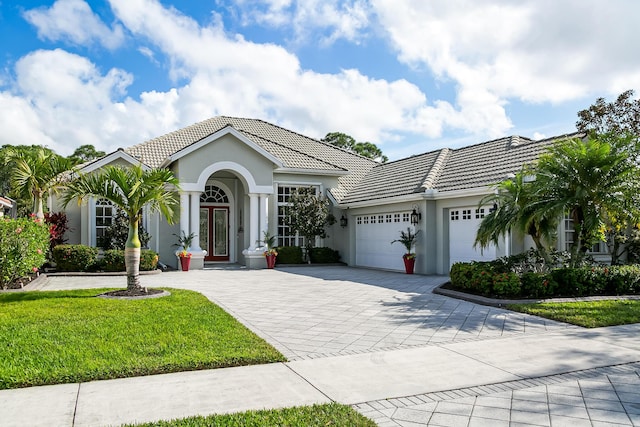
(184, 241)
(270, 253)
(408, 240)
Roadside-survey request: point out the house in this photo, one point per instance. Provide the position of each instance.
(237, 176)
(7, 207)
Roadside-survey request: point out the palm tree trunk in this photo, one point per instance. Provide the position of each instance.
(132, 256)
(38, 209)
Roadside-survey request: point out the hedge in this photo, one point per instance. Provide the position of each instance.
(23, 248)
(75, 257)
(324, 255)
(488, 279)
(113, 260)
(289, 255)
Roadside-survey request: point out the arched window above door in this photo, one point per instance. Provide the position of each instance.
(213, 194)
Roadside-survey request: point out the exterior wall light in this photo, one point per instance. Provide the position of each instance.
(415, 216)
(343, 221)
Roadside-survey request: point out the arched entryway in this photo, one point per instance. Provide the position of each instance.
(216, 214)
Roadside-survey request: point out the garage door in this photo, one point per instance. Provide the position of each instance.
(374, 234)
(463, 225)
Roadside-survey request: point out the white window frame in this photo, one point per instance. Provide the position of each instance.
(285, 237)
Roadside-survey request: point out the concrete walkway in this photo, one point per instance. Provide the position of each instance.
(379, 341)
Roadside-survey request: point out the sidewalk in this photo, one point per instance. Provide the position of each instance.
(397, 387)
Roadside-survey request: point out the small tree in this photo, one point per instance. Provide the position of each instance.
(309, 214)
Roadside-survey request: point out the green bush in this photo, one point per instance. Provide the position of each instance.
(113, 260)
(537, 285)
(623, 279)
(506, 284)
(75, 257)
(23, 248)
(289, 255)
(461, 274)
(324, 255)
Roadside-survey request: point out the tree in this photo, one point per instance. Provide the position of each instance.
(347, 142)
(592, 181)
(618, 118)
(309, 214)
(85, 153)
(130, 189)
(37, 172)
(514, 202)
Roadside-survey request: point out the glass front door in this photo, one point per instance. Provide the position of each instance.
(214, 232)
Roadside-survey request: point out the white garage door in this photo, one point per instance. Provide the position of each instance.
(463, 225)
(374, 234)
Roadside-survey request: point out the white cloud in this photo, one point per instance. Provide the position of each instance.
(536, 51)
(334, 19)
(74, 21)
(233, 76)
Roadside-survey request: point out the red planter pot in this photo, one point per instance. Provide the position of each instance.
(409, 265)
(271, 260)
(185, 262)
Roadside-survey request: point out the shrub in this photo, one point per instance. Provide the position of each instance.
(289, 255)
(506, 284)
(537, 285)
(75, 257)
(113, 260)
(623, 279)
(23, 248)
(58, 226)
(324, 255)
(461, 274)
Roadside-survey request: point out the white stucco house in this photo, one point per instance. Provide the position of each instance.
(237, 175)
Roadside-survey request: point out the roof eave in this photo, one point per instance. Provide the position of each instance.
(302, 171)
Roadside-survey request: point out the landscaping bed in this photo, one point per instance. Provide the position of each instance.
(72, 336)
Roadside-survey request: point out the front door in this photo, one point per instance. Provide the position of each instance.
(214, 232)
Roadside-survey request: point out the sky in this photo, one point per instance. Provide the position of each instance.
(410, 76)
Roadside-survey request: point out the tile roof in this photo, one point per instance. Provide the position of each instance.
(490, 162)
(397, 178)
(444, 170)
(294, 150)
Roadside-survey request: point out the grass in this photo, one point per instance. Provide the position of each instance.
(331, 414)
(590, 314)
(71, 336)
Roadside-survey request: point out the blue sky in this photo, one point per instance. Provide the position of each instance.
(410, 76)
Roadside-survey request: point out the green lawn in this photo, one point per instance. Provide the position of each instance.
(71, 336)
(591, 314)
(331, 414)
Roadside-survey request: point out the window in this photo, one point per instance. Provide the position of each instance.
(466, 214)
(455, 215)
(380, 219)
(405, 217)
(213, 194)
(388, 218)
(569, 234)
(480, 213)
(396, 217)
(105, 211)
(359, 220)
(286, 236)
(366, 220)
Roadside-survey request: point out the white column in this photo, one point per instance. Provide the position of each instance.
(254, 224)
(184, 213)
(195, 221)
(264, 215)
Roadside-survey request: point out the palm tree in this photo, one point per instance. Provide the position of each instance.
(130, 189)
(37, 172)
(513, 204)
(591, 181)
